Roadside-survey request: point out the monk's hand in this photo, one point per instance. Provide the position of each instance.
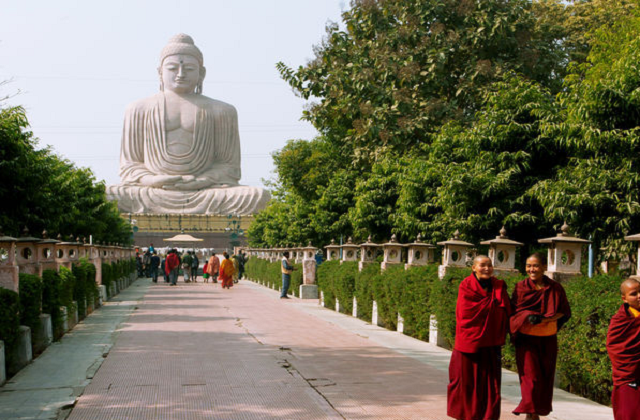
(159, 181)
(534, 319)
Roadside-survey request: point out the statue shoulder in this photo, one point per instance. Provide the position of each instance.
(215, 105)
(143, 104)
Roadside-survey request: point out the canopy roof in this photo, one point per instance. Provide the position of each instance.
(183, 237)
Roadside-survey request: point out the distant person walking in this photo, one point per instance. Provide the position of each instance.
(195, 264)
(162, 268)
(155, 263)
(186, 267)
(172, 265)
(226, 271)
(286, 269)
(205, 272)
(213, 267)
(242, 260)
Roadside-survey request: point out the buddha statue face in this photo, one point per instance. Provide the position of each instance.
(181, 73)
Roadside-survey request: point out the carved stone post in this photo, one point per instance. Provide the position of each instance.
(309, 288)
(367, 253)
(26, 253)
(419, 253)
(392, 253)
(349, 251)
(45, 253)
(333, 251)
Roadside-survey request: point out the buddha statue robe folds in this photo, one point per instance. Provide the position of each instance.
(181, 150)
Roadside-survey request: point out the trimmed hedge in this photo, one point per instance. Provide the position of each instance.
(30, 299)
(51, 300)
(66, 288)
(79, 288)
(9, 317)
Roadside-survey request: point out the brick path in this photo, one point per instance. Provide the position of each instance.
(197, 351)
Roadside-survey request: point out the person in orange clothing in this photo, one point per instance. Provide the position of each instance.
(623, 346)
(226, 271)
(213, 267)
(540, 308)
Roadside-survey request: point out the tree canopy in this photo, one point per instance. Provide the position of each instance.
(440, 115)
(40, 190)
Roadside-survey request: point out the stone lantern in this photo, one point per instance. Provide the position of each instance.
(502, 252)
(454, 253)
(349, 251)
(635, 238)
(45, 252)
(298, 254)
(564, 255)
(419, 253)
(333, 251)
(392, 253)
(309, 288)
(26, 253)
(9, 278)
(367, 253)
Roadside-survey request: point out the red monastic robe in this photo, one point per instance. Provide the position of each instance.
(474, 372)
(623, 346)
(536, 356)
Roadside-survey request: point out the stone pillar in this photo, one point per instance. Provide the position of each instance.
(502, 252)
(419, 253)
(93, 253)
(349, 251)
(564, 255)
(367, 253)
(21, 353)
(392, 253)
(66, 252)
(308, 288)
(8, 268)
(333, 251)
(43, 335)
(355, 307)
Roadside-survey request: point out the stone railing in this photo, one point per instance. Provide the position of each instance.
(32, 255)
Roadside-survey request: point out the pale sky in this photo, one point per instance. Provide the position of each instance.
(77, 64)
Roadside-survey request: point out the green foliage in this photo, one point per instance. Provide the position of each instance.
(443, 299)
(364, 290)
(79, 288)
(107, 276)
(583, 365)
(326, 275)
(51, 300)
(40, 190)
(66, 288)
(9, 316)
(30, 300)
(412, 290)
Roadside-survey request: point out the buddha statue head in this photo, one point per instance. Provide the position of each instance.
(181, 66)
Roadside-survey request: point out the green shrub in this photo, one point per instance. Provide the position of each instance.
(51, 300)
(363, 290)
(583, 365)
(413, 304)
(326, 275)
(30, 298)
(107, 276)
(344, 285)
(444, 294)
(9, 317)
(65, 289)
(92, 286)
(79, 288)
(296, 280)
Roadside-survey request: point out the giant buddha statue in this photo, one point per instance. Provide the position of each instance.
(180, 149)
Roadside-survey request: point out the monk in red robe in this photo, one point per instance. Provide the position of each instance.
(623, 346)
(540, 308)
(482, 314)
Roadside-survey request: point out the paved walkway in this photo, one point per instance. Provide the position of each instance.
(197, 351)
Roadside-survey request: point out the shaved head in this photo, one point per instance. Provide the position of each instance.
(479, 258)
(627, 285)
